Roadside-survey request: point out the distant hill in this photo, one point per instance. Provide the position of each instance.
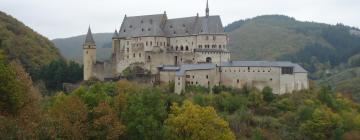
(316, 46)
(18, 41)
(71, 48)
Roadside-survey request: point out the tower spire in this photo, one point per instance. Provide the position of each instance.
(89, 38)
(207, 8)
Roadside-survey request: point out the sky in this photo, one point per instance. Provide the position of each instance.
(66, 18)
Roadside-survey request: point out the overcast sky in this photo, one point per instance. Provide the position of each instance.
(65, 18)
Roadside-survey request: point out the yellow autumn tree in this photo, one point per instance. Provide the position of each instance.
(193, 122)
(69, 114)
(106, 123)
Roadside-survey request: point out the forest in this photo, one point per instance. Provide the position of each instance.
(129, 110)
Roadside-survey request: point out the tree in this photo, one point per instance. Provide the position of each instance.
(69, 115)
(322, 124)
(268, 94)
(106, 124)
(144, 115)
(193, 122)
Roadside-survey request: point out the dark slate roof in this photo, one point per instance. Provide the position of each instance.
(297, 68)
(149, 25)
(89, 40)
(188, 67)
(115, 34)
(159, 25)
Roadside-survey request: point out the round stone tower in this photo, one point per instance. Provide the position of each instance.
(89, 55)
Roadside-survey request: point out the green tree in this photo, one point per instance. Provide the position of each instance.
(144, 115)
(193, 122)
(268, 94)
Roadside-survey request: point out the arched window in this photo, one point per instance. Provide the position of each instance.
(176, 48)
(208, 59)
(139, 54)
(149, 58)
(219, 46)
(187, 48)
(181, 48)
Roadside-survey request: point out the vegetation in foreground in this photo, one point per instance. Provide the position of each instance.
(126, 110)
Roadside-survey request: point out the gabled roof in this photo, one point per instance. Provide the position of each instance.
(159, 25)
(89, 40)
(148, 25)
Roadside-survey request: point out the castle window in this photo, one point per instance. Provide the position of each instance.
(187, 48)
(87, 52)
(174, 32)
(193, 76)
(127, 42)
(127, 49)
(134, 55)
(130, 26)
(219, 46)
(214, 37)
(192, 82)
(139, 54)
(287, 70)
(171, 26)
(172, 47)
(142, 29)
(149, 59)
(124, 30)
(176, 48)
(186, 31)
(142, 21)
(200, 46)
(149, 29)
(238, 81)
(207, 76)
(151, 21)
(213, 46)
(128, 57)
(207, 37)
(187, 76)
(196, 82)
(271, 79)
(146, 43)
(182, 48)
(183, 25)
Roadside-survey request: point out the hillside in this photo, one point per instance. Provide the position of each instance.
(18, 41)
(316, 46)
(345, 81)
(71, 48)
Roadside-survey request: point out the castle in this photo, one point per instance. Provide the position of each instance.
(187, 51)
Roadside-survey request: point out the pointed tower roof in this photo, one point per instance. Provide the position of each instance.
(89, 40)
(207, 10)
(115, 34)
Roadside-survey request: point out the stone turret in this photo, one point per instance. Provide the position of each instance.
(89, 48)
